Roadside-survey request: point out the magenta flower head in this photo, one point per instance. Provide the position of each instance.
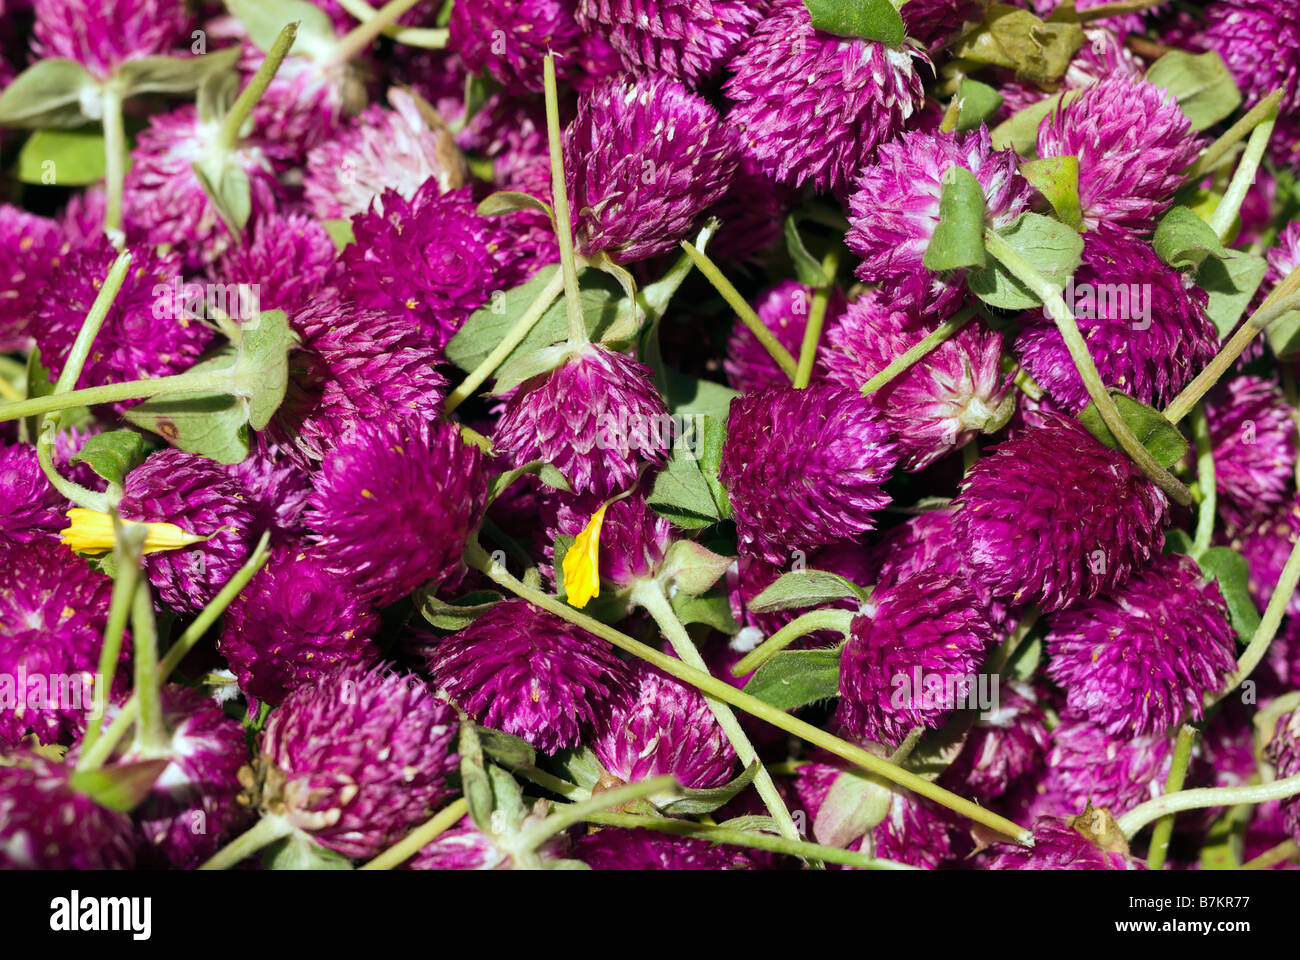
(1143, 657)
(1086, 765)
(633, 538)
(288, 260)
(911, 658)
(1052, 516)
(1133, 144)
(1253, 436)
(1283, 751)
(305, 104)
(662, 727)
(356, 759)
(293, 624)
(1266, 543)
(29, 252)
(1059, 845)
(46, 825)
(1102, 56)
(142, 337)
(102, 36)
(751, 212)
(381, 151)
(935, 23)
(30, 508)
(939, 404)
(895, 209)
(1284, 256)
(529, 673)
(784, 310)
(1259, 40)
(643, 160)
(813, 107)
(509, 39)
(804, 468)
(687, 40)
(53, 608)
(1004, 748)
(199, 496)
(596, 418)
(465, 847)
(620, 848)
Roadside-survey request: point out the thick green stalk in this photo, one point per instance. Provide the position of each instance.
(214, 381)
(243, 106)
(918, 351)
(363, 34)
(151, 737)
(563, 220)
(94, 321)
(1226, 212)
(262, 834)
(430, 38)
(1264, 110)
(1140, 816)
(420, 837)
(1286, 850)
(812, 333)
(566, 815)
(792, 631)
(1205, 478)
(114, 160)
(1164, 828)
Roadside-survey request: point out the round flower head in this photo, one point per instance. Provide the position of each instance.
(1058, 845)
(465, 847)
(643, 160)
(509, 39)
(356, 759)
(1284, 256)
(1006, 745)
(1259, 40)
(633, 538)
(141, 339)
(895, 209)
(197, 495)
(936, 23)
(1052, 516)
(394, 506)
(1086, 765)
(596, 418)
(688, 40)
(529, 673)
(53, 608)
(29, 252)
(1143, 657)
(104, 34)
(46, 825)
(620, 848)
(784, 310)
(30, 508)
(288, 260)
(750, 211)
(1283, 751)
(292, 625)
(383, 150)
(82, 220)
(662, 727)
(432, 259)
(943, 400)
(1253, 437)
(1266, 543)
(305, 104)
(166, 202)
(812, 107)
(804, 468)
(922, 638)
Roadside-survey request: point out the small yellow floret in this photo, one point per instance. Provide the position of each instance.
(91, 532)
(582, 563)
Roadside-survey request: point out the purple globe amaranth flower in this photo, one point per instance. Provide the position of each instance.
(1006, 745)
(140, 339)
(1266, 543)
(529, 673)
(596, 418)
(292, 625)
(911, 658)
(784, 310)
(46, 825)
(662, 727)
(1059, 845)
(643, 160)
(936, 23)
(633, 538)
(1253, 434)
(1052, 516)
(1259, 40)
(1284, 255)
(102, 36)
(751, 212)
(619, 848)
(1086, 765)
(356, 759)
(688, 40)
(509, 39)
(943, 400)
(1142, 658)
(465, 847)
(812, 107)
(804, 468)
(199, 496)
(30, 508)
(53, 609)
(82, 219)
(305, 104)
(394, 506)
(166, 202)
(895, 209)
(432, 259)
(1283, 751)
(1133, 143)
(29, 252)
(288, 261)
(383, 151)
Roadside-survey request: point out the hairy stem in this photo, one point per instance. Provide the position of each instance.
(363, 34)
(420, 837)
(1226, 212)
(918, 351)
(1216, 151)
(812, 334)
(262, 834)
(429, 38)
(563, 220)
(796, 628)
(1164, 829)
(1140, 816)
(243, 106)
(1205, 477)
(114, 161)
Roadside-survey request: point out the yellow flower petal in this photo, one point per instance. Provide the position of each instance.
(91, 532)
(582, 563)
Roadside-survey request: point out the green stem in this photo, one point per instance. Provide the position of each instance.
(796, 628)
(926, 345)
(563, 220)
(1000, 657)
(1164, 828)
(151, 737)
(522, 327)
(1205, 478)
(1140, 816)
(1264, 110)
(1268, 625)
(1055, 304)
(477, 558)
(216, 381)
(114, 160)
(570, 791)
(228, 137)
(429, 38)
(567, 815)
(420, 837)
(1286, 850)
(262, 834)
(1117, 9)
(812, 333)
(363, 34)
(90, 327)
(1226, 212)
(743, 310)
(75, 492)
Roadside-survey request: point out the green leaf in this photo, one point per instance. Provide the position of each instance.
(264, 19)
(459, 613)
(215, 96)
(1015, 39)
(508, 750)
(260, 374)
(113, 455)
(709, 436)
(514, 372)
(1284, 335)
(806, 588)
(1051, 248)
(212, 424)
(512, 201)
(796, 678)
(340, 232)
(869, 19)
(712, 609)
(578, 765)
(806, 267)
(40, 382)
(1161, 438)
(173, 75)
(543, 470)
(122, 787)
(854, 805)
(1225, 841)
(1057, 179)
(65, 158)
(687, 395)
(692, 568)
(979, 104)
(1231, 283)
(474, 782)
(1178, 541)
(681, 493)
(1183, 239)
(48, 94)
(958, 239)
(1020, 131)
(1201, 83)
(227, 186)
(694, 802)
(563, 542)
(1229, 569)
(300, 852)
